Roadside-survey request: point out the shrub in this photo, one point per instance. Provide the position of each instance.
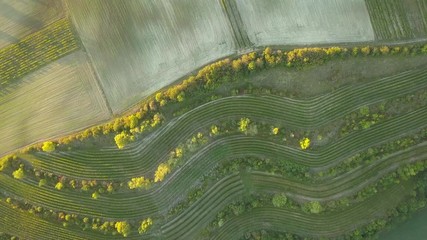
(19, 174)
(314, 207)
(366, 50)
(59, 186)
(145, 225)
(243, 124)
(4, 162)
(214, 130)
(384, 50)
(275, 131)
(42, 182)
(95, 195)
(251, 66)
(304, 143)
(279, 200)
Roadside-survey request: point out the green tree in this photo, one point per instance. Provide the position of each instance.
(48, 147)
(42, 182)
(279, 200)
(275, 131)
(315, 207)
(95, 195)
(180, 97)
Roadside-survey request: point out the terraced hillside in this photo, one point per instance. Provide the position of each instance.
(247, 148)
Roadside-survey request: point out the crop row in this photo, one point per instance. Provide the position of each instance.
(389, 19)
(36, 50)
(410, 123)
(142, 156)
(157, 200)
(330, 190)
(264, 131)
(267, 182)
(328, 154)
(295, 221)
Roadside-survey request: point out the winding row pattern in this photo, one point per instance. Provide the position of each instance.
(141, 158)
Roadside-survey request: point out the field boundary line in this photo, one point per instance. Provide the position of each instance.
(240, 35)
(89, 59)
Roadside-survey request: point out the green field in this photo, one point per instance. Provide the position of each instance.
(348, 173)
(275, 142)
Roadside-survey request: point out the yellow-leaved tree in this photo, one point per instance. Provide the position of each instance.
(48, 147)
(18, 174)
(161, 172)
(123, 228)
(138, 183)
(122, 139)
(243, 124)
(145, 225)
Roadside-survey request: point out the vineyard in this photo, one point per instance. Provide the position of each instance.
(398, 19)
(219, 136)
(198, 161)
(58, 98)
(36, 50)
(21, 18)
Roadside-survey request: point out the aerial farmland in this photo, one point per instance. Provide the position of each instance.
(216, 119)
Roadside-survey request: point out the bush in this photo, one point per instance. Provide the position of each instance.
(42, 182)
(95, 195)
(19, 174)
(243, 124)
(275, 131)
(59, 186)
(145, 225)
(314, 207)
(279, 200)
